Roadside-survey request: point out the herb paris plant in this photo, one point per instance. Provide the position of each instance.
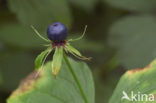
(57, 33)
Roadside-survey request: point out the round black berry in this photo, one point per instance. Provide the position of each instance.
(57, 32)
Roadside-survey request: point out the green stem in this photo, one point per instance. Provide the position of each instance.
(75, 77)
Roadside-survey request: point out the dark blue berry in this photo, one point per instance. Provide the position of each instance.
(57, 32)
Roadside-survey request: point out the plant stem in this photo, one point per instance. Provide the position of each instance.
(75, 78)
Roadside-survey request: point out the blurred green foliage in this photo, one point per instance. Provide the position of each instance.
(134, 38)
(12, 34)
(1, 78)
(120, 36)
(87, 5)
(14, 66)
(134, 5)
(41, 13)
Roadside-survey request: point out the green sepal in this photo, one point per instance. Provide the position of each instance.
(80, 36)
(75, 52)
(39, 35)
(71, 49)
(57, 60)
(40, 59)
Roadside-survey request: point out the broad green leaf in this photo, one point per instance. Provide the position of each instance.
(73, 50)
(20, 36)
(40, 59)
(41, 12)
(57, 60)
(134, 39)
(133, 5)
(86, 4)
(63, 89)
(139, 81)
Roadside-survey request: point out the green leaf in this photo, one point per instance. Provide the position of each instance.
(41, 58)
(63, 89)
(134, 5)
(57, 60)
(73, 50)
(137, 80)
(134, 39)
(41, 12)
(20, 36)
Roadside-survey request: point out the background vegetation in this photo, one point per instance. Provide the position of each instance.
(121, 35)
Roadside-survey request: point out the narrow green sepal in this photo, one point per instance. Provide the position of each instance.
(75, 52)
(80, 36)
(40, 59)
(71, 49)
(39, 35)
(57, 60)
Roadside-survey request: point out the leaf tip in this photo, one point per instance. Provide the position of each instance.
(55, 71)
(87, 58)
(54, 74)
